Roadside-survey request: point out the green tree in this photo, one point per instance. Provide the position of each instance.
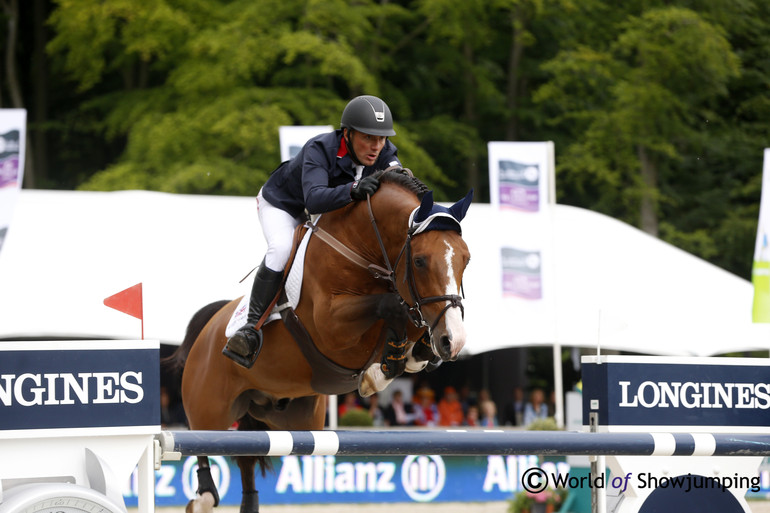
(651, 121)
(205, 85)
(636, 103)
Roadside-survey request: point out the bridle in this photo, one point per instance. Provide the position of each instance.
(387, 273)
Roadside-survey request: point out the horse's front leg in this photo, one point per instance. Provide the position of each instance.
(420, 355)
(207, 496)
(394, 355)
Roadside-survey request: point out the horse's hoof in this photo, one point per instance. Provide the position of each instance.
(372, 381)
(413, 366)
(201, 504)
(250, 502)
(434, 364)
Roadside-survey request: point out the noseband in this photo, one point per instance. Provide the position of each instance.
(388, 273)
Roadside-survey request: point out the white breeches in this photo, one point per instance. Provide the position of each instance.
(278, 228)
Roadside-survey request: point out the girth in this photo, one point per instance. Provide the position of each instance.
(328, 377)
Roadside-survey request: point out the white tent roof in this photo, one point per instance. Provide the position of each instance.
(615, 286)
(604, 282)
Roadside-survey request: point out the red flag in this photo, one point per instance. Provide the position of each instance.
(128, 301)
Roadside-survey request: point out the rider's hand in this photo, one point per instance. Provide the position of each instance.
(367, 185)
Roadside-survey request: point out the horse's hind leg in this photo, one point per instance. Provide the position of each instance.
(207, 496)
(247, 464)
(250, 497)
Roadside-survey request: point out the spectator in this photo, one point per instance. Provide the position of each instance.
(376, 412)
(513, 415)
(472, 418)
(449, 408)
(466, 398)
(488, 413)
(536, 408)
(349, 402)
(427, 412)
(399, 412)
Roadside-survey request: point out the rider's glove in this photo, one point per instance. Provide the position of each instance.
(367, 185)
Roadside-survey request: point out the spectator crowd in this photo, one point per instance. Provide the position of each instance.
(449, 407)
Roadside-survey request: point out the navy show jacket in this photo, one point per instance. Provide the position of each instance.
(319, 177)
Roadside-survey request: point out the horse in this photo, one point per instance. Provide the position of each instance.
(380, 295)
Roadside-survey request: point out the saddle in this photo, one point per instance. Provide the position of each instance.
(328, 377)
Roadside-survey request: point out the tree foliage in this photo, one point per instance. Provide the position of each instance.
(658, 108)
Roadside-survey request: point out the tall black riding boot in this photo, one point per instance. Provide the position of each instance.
(244, 346)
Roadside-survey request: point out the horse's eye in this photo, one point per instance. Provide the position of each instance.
(420, 262)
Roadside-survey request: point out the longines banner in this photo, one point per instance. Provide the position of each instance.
(668, 391)
(13, 126)
(78, 384)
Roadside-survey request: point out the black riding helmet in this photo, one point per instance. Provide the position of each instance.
(368, 114)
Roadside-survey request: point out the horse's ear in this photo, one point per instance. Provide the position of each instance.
(459, 209)
(426, 207)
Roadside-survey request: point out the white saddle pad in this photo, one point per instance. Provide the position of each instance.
(293, 288)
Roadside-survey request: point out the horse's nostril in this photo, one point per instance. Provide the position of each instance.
(445, 347)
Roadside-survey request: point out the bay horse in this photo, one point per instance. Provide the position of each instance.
(379, 295)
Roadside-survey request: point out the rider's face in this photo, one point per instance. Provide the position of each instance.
(367, 147)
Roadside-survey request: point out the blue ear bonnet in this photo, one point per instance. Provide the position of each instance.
(432, 216)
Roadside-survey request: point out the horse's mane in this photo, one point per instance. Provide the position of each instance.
(404, 178)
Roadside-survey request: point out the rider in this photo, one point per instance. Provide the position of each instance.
(329, 172)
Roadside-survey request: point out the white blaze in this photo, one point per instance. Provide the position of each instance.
(453, 320)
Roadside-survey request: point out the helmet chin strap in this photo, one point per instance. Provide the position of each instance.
(351, 151)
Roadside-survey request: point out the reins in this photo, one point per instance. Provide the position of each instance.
(388, 272)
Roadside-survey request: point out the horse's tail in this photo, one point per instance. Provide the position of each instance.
(174, 363)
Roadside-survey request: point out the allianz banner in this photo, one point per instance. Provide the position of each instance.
(361, 480)
(347, 479)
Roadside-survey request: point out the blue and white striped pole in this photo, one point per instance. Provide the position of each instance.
(458, 443)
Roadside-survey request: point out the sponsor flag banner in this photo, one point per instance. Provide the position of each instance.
(522, 273)
(521, 189)
(521, 175)
(525, 272)
(13, 126)
(293, 138)
(760, 274)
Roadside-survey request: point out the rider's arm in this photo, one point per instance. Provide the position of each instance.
(319, 196)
